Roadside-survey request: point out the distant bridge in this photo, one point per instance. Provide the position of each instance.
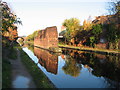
(22, 37)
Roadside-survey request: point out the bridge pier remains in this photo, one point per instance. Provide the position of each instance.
(47, 39)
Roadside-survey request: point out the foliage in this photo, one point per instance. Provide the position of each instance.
(97, 29)
(7, 53)
(9, 19)
(12, 53)
(74, 32)
(32, 36)
(6, 73)
(95, 33)
(71, 25)
(112, 33)
(90, 33)
(114, 7)
(92, 41)
(87, 25)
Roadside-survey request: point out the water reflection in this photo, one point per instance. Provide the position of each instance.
(107, 66)
(23, 82)
(47, 60)
(91, 70)
(71, 67)
(29, 46)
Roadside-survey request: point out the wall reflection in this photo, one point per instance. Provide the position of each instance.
(47, 60)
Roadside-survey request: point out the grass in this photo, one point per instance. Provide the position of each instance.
(39, 77)
(29, 42)
(7, 54)
(6, 74)
(90, 49)
(12, 54)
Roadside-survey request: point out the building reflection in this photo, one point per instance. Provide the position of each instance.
(47, 60)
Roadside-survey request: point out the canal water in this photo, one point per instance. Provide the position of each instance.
(77, 69)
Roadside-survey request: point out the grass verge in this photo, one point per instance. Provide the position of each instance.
(7, 54)
(90, 49)
(6, 74)
(39, 77)
(12, 54)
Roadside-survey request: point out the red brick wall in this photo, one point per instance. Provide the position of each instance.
(47, 38)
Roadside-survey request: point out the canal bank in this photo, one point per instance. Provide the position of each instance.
(101, 51)
(21, 78)
(19, 71)
(40, 79)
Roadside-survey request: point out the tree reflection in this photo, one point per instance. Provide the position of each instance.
(106, 66)
(113, 84)
(71, 67)
(110, 68)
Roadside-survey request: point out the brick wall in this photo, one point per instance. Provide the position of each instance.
(47, 38)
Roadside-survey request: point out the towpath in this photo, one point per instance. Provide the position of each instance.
(20, 76)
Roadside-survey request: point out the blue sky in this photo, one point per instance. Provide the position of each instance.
(39, 14)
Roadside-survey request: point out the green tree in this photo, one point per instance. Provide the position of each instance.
(92, 41)
(97, 29)
(71, 25)
(113, 35)
(95, 34)
(32, 36)
(113, 31)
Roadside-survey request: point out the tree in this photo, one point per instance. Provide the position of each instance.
(87, 24)
(9, 20)
(32, 36)
(97, 29)
(114, 7)
(72, 25)
(92, 41)
(113, 35)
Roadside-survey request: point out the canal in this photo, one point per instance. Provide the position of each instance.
(77, 69)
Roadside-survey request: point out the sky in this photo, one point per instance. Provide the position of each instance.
(39, 14)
